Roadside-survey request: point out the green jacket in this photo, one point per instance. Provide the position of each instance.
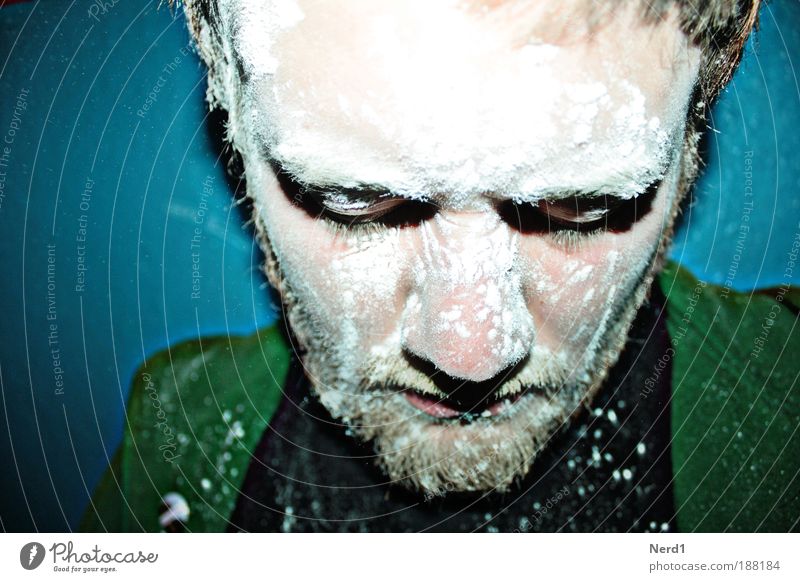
(735, 417)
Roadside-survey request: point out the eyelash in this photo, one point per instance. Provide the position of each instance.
(354, 229)
(573, 240)
(572, 236)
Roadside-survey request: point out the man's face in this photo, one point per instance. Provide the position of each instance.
(466, 201)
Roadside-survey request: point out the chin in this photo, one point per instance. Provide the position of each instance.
(463, 454)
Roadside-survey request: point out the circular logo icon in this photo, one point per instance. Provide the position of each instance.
(31, 555)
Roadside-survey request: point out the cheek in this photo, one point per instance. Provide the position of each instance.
(345, 281)
(572, 291)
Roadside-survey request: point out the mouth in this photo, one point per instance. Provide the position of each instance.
(448, 409)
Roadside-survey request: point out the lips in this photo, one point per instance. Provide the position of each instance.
(443, 409)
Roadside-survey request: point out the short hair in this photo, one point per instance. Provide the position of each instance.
(719, 27)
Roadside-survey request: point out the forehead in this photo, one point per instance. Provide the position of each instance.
(461, 99)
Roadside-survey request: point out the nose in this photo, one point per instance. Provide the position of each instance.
(467, 314)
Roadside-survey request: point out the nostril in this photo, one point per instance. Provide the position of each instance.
(461, 394)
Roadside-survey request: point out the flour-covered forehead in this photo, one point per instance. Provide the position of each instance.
(563, 146)
(432, 101)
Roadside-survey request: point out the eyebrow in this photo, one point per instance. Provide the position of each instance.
(650, 178)
(648, 181)
(360, 190)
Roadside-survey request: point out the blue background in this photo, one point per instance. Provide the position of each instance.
(88, 78)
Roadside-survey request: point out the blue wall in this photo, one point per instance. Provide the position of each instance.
(731, 236)
(97, 178)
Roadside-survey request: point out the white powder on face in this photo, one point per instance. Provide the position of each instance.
(570, 266)
(581, 275)
(255, 27)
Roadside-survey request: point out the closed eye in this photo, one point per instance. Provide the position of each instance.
(580, 214)
(576, 211)
(356, 207)
(349, 208)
